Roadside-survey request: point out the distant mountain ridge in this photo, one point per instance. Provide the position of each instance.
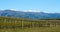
(31, 15)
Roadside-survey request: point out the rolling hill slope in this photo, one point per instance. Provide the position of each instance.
(31, 15)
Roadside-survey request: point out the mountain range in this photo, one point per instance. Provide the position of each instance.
(30, 15)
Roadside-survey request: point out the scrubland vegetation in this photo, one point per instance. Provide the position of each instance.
(8, 24)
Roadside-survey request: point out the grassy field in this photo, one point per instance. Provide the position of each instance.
(27, 25)
(36, 29)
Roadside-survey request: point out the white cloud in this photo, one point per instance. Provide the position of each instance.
(14, 9)
(31, 10)
(26, 10)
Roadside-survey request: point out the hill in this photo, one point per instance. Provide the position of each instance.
(31, 15)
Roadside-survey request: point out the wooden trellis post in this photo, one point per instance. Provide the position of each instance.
(22, 24)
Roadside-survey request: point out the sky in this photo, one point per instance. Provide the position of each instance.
(49, 6)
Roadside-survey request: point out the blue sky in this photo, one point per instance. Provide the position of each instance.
(50, 6)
